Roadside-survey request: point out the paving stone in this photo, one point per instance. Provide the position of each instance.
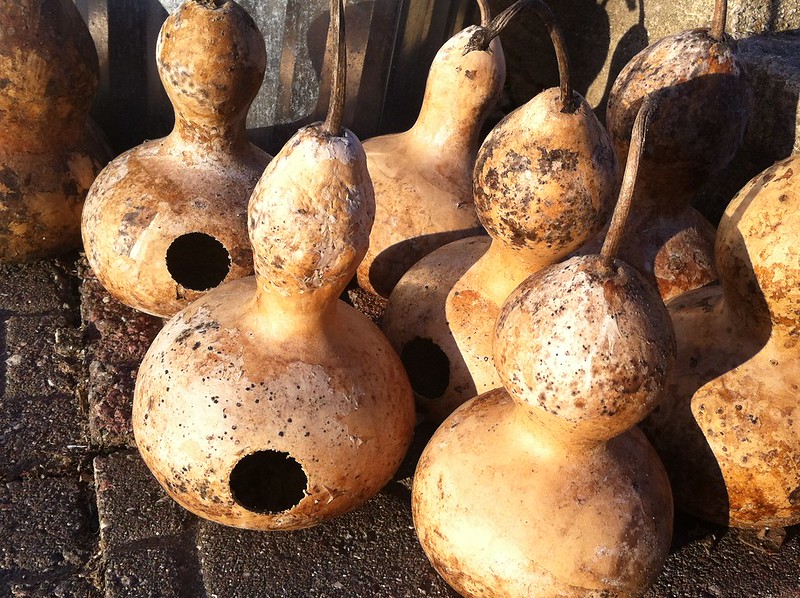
(110, 399)
(147, 538)
(156, 569)
(38, 287)
(371, 551)
(131, 505)
(48, 536)
(709, 561)
(30, 587)
(44, 355)
(117, 337)
(41, 436)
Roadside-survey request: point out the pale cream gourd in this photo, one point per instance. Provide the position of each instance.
(269, 403)
(729, 428)
(50, 150)
(546, 487)
(166, 221)
(702, 118)
(423, 176)
(544, 184)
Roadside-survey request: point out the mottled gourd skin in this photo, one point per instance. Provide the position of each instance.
(703, 112)
(728, 430)
(277, 364)
(195, 181)
(546, 487)
(50, 151)
(544, 184)
(697, 128)
(545, 179)
(423, 176)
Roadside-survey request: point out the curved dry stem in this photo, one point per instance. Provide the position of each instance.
(333, 122)
(720, 19)
(481, 39)
(211, 4)
(623, 207)
(486, 12)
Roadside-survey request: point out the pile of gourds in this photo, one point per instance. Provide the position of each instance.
(591, 306)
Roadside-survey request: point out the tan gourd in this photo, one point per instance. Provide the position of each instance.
(702, 118)
(729, 428)
(50, 151)
(423, 176)
(166, 220)
(544, 184)
(269, 403)
(547, 487)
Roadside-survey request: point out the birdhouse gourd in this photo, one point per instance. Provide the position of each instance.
(546, 487)
(166, 221)
(728, 430)
(50, 150)
(423, 176)
(702, 117)
(544, 184)
(269, 403)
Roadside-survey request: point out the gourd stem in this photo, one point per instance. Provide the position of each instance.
(481, 39)
(486, 12)
(623, 207)
(720, 17)
(333, 122)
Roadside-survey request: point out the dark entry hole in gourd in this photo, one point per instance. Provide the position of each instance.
(268, 482)
(427, 366)
(198, 261)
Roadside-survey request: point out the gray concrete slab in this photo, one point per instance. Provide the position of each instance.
(116, 338)
(43, 355)
(38, 287)
(48, 537)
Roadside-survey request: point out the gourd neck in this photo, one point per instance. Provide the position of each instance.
(454, 130)
(222, 136)
(289, 315)
(501, 269)
(553, 437)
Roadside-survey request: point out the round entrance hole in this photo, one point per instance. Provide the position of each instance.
(268, 482)
(427, 366)
(198, 261)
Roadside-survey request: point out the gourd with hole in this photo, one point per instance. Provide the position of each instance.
(50, 150)
(166, 221)
(269, 403)
(544, 184)
(729, 428)
(702, 118)
(546, 487)
(422, 177)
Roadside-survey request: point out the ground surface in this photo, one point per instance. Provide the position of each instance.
(80, 514)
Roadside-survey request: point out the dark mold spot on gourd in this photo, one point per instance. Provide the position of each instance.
(10, 180)
(198, 261)
(268, 482)
(428, 367)
(557, 159)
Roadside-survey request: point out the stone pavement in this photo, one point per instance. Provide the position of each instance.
(80, 514)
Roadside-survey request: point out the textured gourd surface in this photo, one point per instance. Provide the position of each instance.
(192, 186)
(50, 152)
(727, 430)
